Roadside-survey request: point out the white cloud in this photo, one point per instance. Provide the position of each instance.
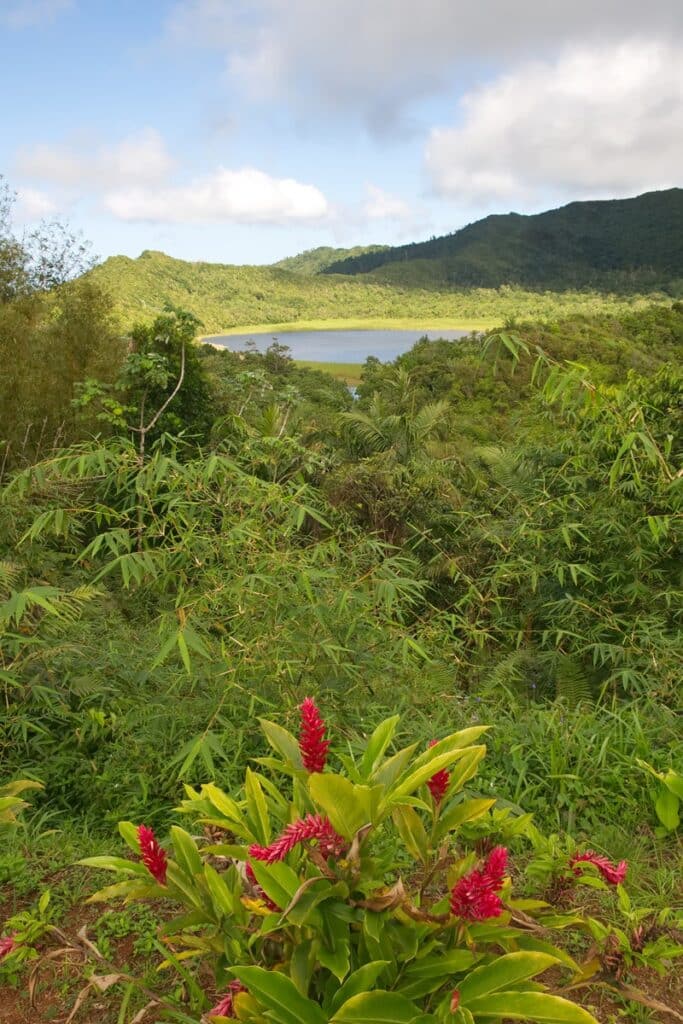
(381, 205)
(27, 13)
(34, 205)
(246, 196)
(599, 120)
(375, 58)
(139, 159)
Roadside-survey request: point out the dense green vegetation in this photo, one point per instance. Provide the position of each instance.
(619, 245)
(228, 296)
(489, 534)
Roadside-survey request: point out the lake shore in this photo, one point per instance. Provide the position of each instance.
(356, 324)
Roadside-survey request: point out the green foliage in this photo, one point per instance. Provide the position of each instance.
(346, 934)
(11, 802)
(490, 532)
(669, 795)
(161, 386)
(224, 296)
(54, 331)
(48, 343)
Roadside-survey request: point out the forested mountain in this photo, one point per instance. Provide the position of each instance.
(622, 245)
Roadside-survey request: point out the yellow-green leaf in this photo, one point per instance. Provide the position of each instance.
(348, 806)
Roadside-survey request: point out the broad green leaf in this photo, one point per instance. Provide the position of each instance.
(530, 1006)
(278, 881)
(280, 995)
(530, 942)
(133, 889)
(334, 952)
(182, 881)
(257, 807)
(412, 832)
(467, 810)
(376, 1008)
(419, 775)
(394, 766)
(223, 803)
(454, 741)
(377, 745)
(221, 895)
(666, 807)
(129, 867)
(441, 965)
(428, 975)
(282, 741)
(186, 851)
(315, 891)
(19, 786)
(302, 964)
(360, 981)
(129, 834)
(348, 806)
(465, 769)
(674, 781)
(505, 970)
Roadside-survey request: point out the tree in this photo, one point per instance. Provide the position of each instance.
(40, 259)
(56, 328)
(162, 385)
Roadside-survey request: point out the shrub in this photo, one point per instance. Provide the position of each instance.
(345, 896)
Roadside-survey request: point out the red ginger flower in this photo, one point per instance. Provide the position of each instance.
(439, 782)
(474, 897)
(153, 856)
(226, 1007)
(7, 946)
(312, 742)
(612, 873)
(455, 1000)
(313, 826)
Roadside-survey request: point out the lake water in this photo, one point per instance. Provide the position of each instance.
(336, 346)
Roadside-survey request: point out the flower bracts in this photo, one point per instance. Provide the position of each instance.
(312, 743)
(474, 897)
(153, 856)
(612, 873)
(439, 782)
(312, 827)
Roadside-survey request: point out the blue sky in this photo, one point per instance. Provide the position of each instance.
(242, 132)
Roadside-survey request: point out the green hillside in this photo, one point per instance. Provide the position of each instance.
(313, 261)
(225, 296)
(620, 245)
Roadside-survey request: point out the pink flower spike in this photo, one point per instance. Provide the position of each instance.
(439, 782)
(474, 897)
(312, 743)
(612, 873)
(313, 826)
(496, 866)
(226, 1006)
(152, 855)
(8, 946)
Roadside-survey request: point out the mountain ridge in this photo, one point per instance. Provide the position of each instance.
(623, 244)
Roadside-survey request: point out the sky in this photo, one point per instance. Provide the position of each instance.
(243, 131)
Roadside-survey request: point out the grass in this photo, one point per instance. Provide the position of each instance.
(350, 373)
(376, 323)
